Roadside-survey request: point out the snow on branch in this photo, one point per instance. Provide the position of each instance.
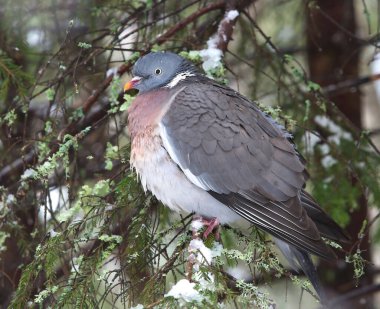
(217, 44)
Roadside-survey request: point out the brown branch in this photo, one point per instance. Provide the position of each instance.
(224, 33)
(354, 294)
(225, 30)
(374, 132)
(336, 24)
(356, 246)
(212, 7)
(226, 26)
(160, 40)
(337, 88)
(18, 166)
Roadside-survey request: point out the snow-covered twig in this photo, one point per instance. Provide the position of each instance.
(217, 44)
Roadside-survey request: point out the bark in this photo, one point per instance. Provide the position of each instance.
(333, 56)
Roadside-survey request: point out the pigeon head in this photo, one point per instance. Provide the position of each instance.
(159, 69)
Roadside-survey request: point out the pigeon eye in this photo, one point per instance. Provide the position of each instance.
(158, 71)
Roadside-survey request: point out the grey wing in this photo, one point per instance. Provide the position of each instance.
(227, 146)
(327, 226)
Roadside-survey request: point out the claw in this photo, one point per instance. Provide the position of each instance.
(211, 224)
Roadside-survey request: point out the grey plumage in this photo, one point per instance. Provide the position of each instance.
(232, 151)
(243, 135)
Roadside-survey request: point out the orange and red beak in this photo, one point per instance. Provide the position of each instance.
(132, 83)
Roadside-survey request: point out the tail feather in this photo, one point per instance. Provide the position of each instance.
(300, 259)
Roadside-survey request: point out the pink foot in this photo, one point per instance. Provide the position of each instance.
(211, 224)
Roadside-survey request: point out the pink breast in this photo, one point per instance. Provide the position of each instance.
(146, 111)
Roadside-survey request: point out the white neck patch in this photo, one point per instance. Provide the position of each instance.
(178, 78)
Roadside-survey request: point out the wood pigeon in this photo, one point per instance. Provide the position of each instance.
(202, 147)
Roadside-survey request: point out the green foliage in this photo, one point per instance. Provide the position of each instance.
(9, 118)
(252, 296)
(105, 242)
(343, 162)
(3, 237)
(311, 86)
(12, 75)
(127, 102)
(192, 55)
(84, 45)
(47, 256)
(112, 153)
(357, 260)
(134, 57)
(50, 94)
(210, 283)
(76, 115)
(44, 170)
(304, 284)
(92, 231)
(114, 95)
(296, 70)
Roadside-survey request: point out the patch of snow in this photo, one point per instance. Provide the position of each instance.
(231, 15)
(211, 56)
(240, 272)
(111, 71)
(311, 140)
(328, 161)
(325, 149)
(361, 165)
(56, 199)
(126, 38)
(76, 263)
(216, 249)
(196, 225)
(35, 37)
(196, 244)
(53, 233)
(337, 132)
(328, 180)
(184, 291)
(110, 274)
(109, 207)
(28, 173)
(286, 34)
(10, 199)
(206, 281)
(375, 69)
(325, 122)
(201, 254)
(139, 306)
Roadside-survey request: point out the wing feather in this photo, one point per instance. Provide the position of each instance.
(227, 146)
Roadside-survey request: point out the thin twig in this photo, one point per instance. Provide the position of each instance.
(358, 292)
(19, 165)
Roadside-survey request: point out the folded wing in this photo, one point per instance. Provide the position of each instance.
(227, 146)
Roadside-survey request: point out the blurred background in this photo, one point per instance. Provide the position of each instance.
(76, 229)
